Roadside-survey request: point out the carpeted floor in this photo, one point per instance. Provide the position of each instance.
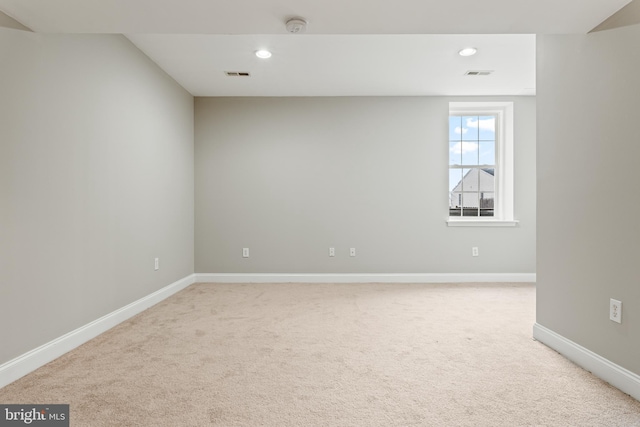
(328, 355)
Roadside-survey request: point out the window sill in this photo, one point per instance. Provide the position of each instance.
(481, 223)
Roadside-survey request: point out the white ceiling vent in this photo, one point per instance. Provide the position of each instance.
(478, 72)
(237, 73)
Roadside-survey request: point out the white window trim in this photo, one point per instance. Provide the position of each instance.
(503, 212)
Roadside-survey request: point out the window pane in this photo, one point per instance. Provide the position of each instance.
(487, 128)
(487, 180)
(486, 204)
(455, 178)
(455, 128)
(470, 200)
(469, 151)
(455, 199)
(455, 194)
(470, 204)
(486, 200)
(470, 180)
(455, 153)
(470, 128)
(487, 152)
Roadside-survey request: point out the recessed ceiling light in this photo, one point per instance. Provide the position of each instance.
(263, 54)
(468, 51)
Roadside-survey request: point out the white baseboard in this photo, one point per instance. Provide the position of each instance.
(615, 375)
(32, 360)
(364, 278)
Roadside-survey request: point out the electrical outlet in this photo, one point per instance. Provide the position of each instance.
(245, 252)
(474, 251)
(615, 310)
(156, 265)
(332, 251)
(352, 252)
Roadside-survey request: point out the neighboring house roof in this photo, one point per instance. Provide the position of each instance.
(486, 184)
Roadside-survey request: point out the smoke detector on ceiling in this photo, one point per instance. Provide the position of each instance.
(296, 25)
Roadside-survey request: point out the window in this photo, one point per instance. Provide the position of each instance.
(481, 164)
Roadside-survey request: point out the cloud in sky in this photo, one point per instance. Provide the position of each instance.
(460, 131)
(464, 147)
(484, 124)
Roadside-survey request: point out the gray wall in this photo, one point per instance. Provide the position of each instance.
(588, 152)
(291, 177)
(628, 15)
(9, 22)
(96, 179)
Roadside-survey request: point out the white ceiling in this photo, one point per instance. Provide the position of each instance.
(352, 47)
(355, 65)
(325, 16)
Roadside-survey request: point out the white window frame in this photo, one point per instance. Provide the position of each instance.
(504, 172)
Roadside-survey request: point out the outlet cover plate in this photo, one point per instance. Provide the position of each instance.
(615, 310)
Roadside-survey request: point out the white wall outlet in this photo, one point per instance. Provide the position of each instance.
(474, 251)
(156, 265)
(332, 251)
(245, 252)
(352, 252)
(615, 310)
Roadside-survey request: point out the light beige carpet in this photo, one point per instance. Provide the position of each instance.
(328, 355)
